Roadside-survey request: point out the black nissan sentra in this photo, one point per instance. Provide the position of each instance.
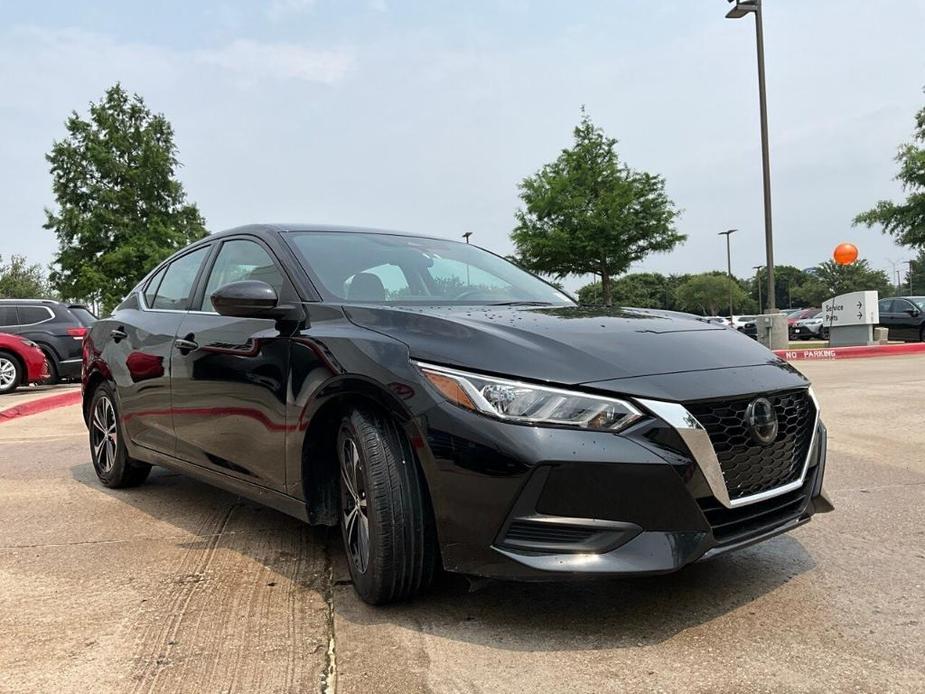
(448, 410)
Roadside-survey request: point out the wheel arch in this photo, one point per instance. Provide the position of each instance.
(92, 382)
(319, 463)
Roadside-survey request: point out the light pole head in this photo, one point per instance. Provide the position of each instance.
(467, 235)
(727, 232)
(742, 8)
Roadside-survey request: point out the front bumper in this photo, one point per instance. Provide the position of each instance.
(544, 504)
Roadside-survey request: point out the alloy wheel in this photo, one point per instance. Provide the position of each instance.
(104, 435)
(354, 507)
(7, 373)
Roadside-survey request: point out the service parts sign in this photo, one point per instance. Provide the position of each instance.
(856, 308)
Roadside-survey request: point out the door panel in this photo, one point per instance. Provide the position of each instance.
(229, 396)
(139, 365)
(906, 324)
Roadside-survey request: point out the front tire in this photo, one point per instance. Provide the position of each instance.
(11, 373)
(386, 520)
(107, 447)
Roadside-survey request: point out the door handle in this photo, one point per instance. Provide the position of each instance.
(185, 345)
(118, 334)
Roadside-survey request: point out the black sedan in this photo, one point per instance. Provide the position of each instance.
(903, 317)
(448, 410)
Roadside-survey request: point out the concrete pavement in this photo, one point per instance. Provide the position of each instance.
(175, 586)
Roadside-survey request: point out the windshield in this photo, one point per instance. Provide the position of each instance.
(919, 301)
(394, 269)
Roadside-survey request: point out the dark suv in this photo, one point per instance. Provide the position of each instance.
(57, 328)
(904, 317)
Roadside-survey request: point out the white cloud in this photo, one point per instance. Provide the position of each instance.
(254, 61)
(278, 9)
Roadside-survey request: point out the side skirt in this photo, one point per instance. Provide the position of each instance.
(262, 495)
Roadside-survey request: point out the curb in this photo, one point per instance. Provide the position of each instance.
(862, 351)
(52, 402)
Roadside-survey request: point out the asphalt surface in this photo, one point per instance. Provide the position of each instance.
(175, 586)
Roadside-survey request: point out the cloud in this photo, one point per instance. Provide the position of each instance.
(253, 61)
(278, 9)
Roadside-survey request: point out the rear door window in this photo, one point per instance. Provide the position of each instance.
(29, 315)
(8, 316)
(885, 306)
(176, 288)
(153, 284)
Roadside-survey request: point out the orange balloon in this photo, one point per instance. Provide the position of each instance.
(845, 253)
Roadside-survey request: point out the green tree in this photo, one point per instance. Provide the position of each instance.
(915, 278)
(20, 280)
(905, 221)
(120, 209)
(708, 294)
(588, 213)
(831, 279)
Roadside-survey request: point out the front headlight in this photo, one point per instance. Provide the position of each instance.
(528, 403)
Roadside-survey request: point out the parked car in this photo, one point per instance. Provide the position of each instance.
(739, 321)
(448, 409)
(21, 362)
(795, 318)
(814, 328)
(904, 317)
(57, 328)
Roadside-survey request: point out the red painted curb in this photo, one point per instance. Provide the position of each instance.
(862, 351)
(41, 405)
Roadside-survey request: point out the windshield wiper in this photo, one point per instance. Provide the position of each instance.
(522, 303)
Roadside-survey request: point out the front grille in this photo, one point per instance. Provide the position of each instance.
(738, 524)
(748, 466)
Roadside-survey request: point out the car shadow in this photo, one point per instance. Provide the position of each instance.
(576, 615)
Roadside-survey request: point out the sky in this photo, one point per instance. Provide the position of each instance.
(424, 116)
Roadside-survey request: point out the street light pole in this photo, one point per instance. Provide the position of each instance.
(727, 234)
(742, 8)
(757, 269)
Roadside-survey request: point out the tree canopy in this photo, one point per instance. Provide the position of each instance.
(708, 294)
(905, 221)
(589, 213)
(831, 279)
(21, 280)
(120, 208)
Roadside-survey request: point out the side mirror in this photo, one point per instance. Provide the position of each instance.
(248, 299)
(913, 312)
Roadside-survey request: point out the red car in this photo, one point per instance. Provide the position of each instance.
(21, 362)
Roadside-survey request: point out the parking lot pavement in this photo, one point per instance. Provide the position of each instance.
(30, 393)
(177, 587)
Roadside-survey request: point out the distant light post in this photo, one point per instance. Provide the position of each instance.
(467, 235)
(908, 273)
(740, 10)
(727, 234)
(757, 269)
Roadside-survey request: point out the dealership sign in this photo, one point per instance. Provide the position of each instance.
(856, 308)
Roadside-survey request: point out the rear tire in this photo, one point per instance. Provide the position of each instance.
(386, 520)
(107, 447)
(11, 373)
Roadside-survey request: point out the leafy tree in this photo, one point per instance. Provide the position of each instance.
(20, 280)
(830, 279)
(915, 279)
(589, 213)
(905, 221)
(120, 207)
(708, 293)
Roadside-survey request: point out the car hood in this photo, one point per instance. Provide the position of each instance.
(568, 345)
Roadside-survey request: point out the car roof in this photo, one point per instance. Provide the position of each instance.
(30, 301)
(265, 228)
